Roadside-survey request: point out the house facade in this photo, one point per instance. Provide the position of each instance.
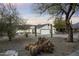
(42, 26)
(43, 29)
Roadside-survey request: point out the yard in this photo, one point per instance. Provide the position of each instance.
(61, 48)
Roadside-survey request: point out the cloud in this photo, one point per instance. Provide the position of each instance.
(22, 4)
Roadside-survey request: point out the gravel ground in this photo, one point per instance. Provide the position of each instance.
(62, 48)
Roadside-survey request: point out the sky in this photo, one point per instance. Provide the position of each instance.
(27, 12)
(24, 9)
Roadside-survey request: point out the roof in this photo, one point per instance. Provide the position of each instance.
(28, 26)
(40, 26)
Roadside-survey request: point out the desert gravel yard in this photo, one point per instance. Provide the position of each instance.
(62, 48)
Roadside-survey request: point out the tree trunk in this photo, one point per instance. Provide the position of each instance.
(51, 30)
(69, 31)
(9, 36)
(70, 36)
(35, 30)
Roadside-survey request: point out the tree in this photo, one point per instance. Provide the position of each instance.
(9, 17)
(35, 30)
(59, 24)
(60, 9)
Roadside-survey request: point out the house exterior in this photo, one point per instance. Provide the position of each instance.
(43, 29)
(75, 27)
(46, 29)
(42, 25)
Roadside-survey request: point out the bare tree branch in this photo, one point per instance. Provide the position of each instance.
(71, 14)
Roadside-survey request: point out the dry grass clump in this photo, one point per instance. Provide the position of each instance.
(42, 45)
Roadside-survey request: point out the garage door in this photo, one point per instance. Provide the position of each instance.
(45, 32)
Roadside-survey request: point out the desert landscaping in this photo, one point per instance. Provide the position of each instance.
(61, 46)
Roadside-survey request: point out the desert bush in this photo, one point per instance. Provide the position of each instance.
(42, 45)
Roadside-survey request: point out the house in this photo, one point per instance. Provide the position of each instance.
(75, 26)
(45, 29)
(42, 27)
